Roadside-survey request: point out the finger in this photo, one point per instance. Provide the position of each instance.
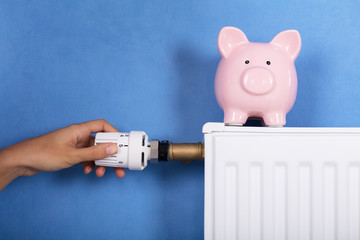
(86, 163)
(91, 141)
(100, 171)
(120, 172)
(95, 152)
(88, 167)
(100, 125)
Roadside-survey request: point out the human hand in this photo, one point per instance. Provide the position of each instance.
(64, 148)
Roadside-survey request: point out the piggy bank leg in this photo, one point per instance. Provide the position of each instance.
(275, 119)
(234, 117)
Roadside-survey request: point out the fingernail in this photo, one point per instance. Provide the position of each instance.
(111, 150)
(87, 169)
(100, 172)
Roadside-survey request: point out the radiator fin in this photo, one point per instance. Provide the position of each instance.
(305, 201)
(329, 201)
(280, 201)
(231, 201)
(353, 201)
(255, 195)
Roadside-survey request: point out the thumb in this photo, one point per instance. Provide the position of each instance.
(96, 152)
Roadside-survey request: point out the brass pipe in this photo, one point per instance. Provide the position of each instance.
(186, 152)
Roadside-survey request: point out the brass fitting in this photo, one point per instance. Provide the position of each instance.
(186, 152)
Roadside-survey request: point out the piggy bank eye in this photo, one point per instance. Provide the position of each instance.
(247, 62)
(268, 62)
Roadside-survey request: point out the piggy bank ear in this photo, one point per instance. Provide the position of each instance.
(228, 39)
(290, 41)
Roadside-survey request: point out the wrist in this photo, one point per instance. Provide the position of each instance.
(10, 167)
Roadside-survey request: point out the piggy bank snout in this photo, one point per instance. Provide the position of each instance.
(257, 81)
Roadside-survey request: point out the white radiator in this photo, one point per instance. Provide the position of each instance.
(281, 183)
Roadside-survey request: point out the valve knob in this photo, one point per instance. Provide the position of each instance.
(133, 149)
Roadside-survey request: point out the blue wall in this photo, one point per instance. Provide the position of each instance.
(148, 65)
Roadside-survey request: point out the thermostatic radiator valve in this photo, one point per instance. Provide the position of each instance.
(134, 150)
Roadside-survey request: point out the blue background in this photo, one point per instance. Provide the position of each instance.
(148, 65)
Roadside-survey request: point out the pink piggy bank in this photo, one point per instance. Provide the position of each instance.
(256, 79)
